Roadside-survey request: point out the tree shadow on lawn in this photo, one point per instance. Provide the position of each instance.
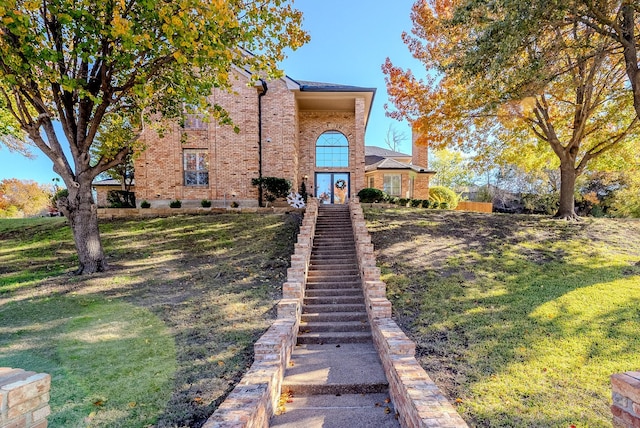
(516, 328)
(212, 280)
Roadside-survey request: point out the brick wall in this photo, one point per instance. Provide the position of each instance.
(288, 147)
(626, 399)
(420, 184)
(24, 398)
(253, 401)
(416, 397)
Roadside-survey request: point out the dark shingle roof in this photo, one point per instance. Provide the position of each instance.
(387, 163)
(306, 85)
(386, 153)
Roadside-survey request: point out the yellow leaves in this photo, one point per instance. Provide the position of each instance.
(120, 26)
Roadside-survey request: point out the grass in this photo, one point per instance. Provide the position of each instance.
(519, 319)
(160, 339)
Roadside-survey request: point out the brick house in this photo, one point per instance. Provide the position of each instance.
(398, 174)
(303, 131)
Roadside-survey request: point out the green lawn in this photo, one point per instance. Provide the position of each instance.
(519, 319)
(161, 338)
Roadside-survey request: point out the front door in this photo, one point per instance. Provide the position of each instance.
(332, 187)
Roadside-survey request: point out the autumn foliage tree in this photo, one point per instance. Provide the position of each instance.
(79, 63)
(568, 120)
(23, 198)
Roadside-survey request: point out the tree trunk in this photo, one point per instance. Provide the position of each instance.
(568, 176)
(81, 210)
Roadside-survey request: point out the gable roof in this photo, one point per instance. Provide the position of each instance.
(382, 152)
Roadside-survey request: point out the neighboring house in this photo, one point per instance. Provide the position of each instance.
(398, 174)
(103, 187)
(303, 131)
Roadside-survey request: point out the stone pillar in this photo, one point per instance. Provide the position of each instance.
(625, 388)
(24, 398)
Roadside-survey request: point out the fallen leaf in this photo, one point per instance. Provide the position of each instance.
(221, 363)
(458, 400)
(98, 403)
(132, 404)
(198, 400)
(387, 410)
(387, 400)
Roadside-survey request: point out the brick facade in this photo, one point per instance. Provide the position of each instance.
(289, 134)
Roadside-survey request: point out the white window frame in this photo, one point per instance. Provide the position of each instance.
(198, 177)
(392, 184)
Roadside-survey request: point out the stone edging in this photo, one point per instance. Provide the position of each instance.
(416, 397)
(253, 401)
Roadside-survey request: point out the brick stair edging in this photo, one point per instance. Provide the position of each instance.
(253, 401)
(24, 398)
(625, 391)
(415, 396)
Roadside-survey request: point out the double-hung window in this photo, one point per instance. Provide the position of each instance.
(196, 167)
(392, 184)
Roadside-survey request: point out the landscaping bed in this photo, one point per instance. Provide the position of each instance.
(161, 338)
(519, 319)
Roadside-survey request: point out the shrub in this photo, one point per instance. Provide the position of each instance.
(415, 203)
(541, 204)
(440, 194)
(175, 204)
(145, 204)
(369, 194)
(234, 204)
(444, 205)
(121, 199)
(426, 203)
(403, 202)
(393, 200)
(273, 187)
(205, 203)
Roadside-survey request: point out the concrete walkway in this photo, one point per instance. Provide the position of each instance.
(335, 378)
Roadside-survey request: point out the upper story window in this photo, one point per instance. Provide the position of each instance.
(332, 150)
(196, 167)
(195, 121)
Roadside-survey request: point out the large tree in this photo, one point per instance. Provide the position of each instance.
(78, 62)
(514, 32)
(575, 116)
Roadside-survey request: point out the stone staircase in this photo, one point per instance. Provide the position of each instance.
(335, 378)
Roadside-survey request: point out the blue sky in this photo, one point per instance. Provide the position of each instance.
(349, 42)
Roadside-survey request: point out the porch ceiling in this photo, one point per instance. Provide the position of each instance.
(334, 101)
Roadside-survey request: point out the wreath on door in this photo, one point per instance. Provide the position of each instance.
(341, 184)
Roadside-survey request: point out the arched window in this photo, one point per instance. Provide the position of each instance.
(332, 150)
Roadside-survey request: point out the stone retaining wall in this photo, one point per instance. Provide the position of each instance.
(626, 399)
(253, 401)
(24, 398)
(416, 397)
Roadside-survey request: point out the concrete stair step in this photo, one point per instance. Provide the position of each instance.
(316, 309)
(333, 292)
(333, 300)
(334, 337)
(331, 411)
(333, 278)
(332, 285)
(334, 316)
(350, 368)
(323, 273)
(313, 327)
(335, 261)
